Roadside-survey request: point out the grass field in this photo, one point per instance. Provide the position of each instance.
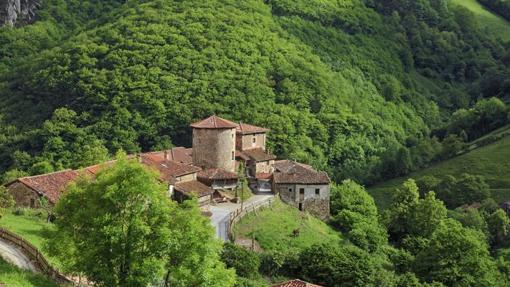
(12, 276)
(493, 22)
(32, 226)
(492, 161)
(273, 228)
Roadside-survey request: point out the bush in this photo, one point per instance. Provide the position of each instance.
(245, 262)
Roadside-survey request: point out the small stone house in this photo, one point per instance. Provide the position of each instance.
(218, 179)
(27, 191)
(182, 179)
(303, 187)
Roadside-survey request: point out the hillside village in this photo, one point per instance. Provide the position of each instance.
(206, 171)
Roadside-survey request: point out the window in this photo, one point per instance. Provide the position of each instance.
(302, 191)
(233, 155)
(290, 189)
(254, 140)
(317, 191)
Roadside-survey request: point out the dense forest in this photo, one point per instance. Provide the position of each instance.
(363, 89)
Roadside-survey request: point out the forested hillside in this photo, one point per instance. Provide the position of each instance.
(363, 89)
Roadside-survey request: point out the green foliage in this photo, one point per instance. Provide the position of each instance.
(273, 228)
(501, 7)
(355, 213)
(346, 265)
(341, 85)
(488, 161)
(15, 277)
(245, 262)
(135, 230)
(457, 256)
(498, 224)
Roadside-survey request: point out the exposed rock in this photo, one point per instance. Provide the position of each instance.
(16, 12)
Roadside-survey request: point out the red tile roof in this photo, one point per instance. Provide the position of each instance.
(214, 122)
(95, 169)
(177, 154)
(168, 169)
(297, 173)
(193, 187)
(216, 174)
(50, 185)
(241, 155)
(246, 129)
(263, 175)
(258, 154)
(296, 283)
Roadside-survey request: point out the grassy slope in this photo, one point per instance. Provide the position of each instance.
(491, 161)
(31, 226)
(272, 227)
(12, 276)
(493, 22)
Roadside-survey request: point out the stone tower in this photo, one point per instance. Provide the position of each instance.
(214, 143)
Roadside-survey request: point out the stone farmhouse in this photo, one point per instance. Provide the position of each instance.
(219, 148)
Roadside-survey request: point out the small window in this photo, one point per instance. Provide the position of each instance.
(233, 155)
(32, 202)
(317, 191)
(254, 140)
(290, 189)
(301, 191)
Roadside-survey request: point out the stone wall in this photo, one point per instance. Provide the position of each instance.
(187, 177)
(23, 195)
(214, 148)
(246, 141)
(264, 166)
(310, 201)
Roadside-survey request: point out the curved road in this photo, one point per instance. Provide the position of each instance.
(13, 255)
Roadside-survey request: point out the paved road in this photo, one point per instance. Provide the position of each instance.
(221, 213)
(13, 255)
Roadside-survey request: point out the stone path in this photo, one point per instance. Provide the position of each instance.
(13, 255)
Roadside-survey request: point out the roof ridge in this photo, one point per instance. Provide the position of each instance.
(46, 174)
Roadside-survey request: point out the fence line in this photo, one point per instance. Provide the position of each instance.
(35, 256)
(239, 213)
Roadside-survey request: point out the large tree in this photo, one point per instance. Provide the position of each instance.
(457, 256)
(120, 229)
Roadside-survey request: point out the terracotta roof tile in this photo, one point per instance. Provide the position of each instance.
(298, 173)
(193, 187)
(177, 154)
(216, 173)
(296, 283)
(50, 185)
(214, 122)
(168, 169)
(258, 154)
(246, 129)
(263, 175)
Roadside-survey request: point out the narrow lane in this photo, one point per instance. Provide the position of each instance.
(13, 255)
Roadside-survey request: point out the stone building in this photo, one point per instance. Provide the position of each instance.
(214, 144)
(182, 178)
(210, 166)
(303, 187)
(27, 191)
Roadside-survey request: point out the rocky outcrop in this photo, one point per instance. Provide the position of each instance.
(16, 12)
